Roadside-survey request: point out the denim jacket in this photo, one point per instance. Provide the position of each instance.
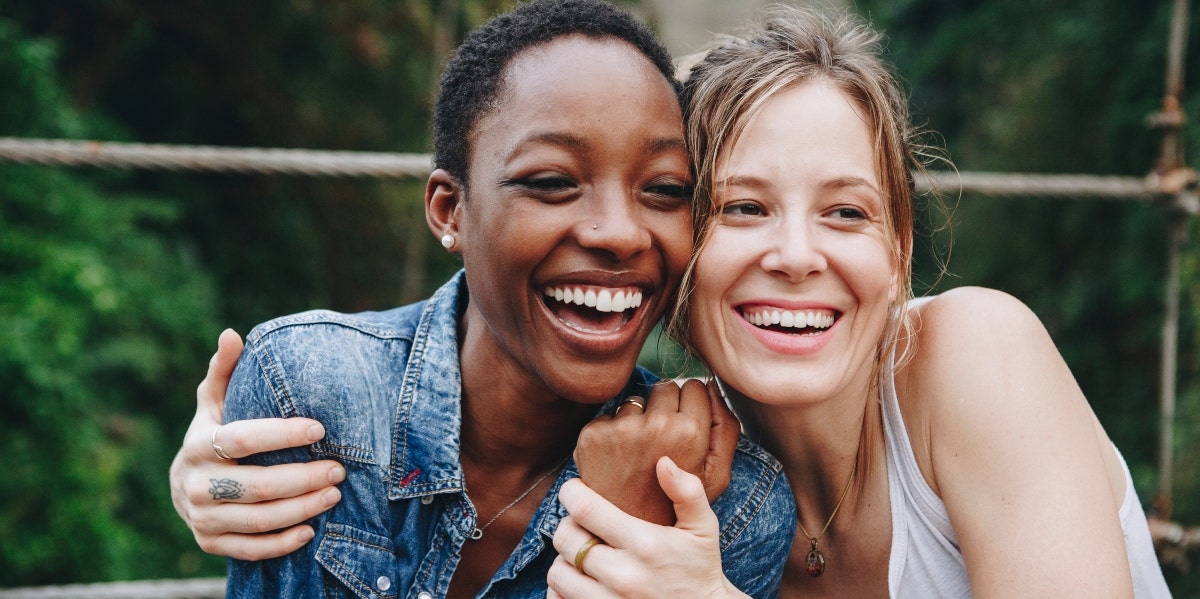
(386, 386)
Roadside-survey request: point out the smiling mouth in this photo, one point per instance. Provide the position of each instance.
(792, 322)
(592, 309)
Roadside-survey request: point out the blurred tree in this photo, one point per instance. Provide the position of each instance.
(346, 74)
(103, 315)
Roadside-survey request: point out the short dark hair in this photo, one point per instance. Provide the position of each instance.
(472, 76)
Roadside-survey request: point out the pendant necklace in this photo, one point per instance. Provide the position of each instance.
(814, 563)
(478, 532)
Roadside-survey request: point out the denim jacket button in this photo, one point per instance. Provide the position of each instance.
(426, 500)
(424, 595)
(383, 583)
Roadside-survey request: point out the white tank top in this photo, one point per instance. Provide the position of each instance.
(925, 560)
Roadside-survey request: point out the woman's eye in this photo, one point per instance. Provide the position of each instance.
(741, 209)
(849, 213)
(671, 190)
(546, 184)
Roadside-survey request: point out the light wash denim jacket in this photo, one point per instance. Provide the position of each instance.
(387, 387)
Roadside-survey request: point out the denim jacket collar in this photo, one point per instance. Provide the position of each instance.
(425, 450)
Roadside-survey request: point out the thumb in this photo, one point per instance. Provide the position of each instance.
(210, 395)
(692, 512)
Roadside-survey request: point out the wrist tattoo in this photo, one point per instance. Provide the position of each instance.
(226, 488)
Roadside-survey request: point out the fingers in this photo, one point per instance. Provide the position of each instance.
(631, 405)
(591, 559)
(254, 484)
(578, 545)
(257, 547)
(694, 402)
(592, 512)
(564, 581)
(692, 511)
(210, 394)
(248, 437)
(722, 444)
(263, 516)
(664, 397)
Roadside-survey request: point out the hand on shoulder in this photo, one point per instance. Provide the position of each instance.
(240, 511)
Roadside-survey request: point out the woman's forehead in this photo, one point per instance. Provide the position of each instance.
(577, 87)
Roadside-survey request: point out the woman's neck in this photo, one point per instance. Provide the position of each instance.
(509, 416)
(817, 442)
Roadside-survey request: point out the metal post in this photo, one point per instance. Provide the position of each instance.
(1171, 119)
(1170, 334)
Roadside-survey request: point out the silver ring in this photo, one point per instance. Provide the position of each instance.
(217, 448)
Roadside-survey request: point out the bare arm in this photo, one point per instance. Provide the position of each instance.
(1014, 451)
(247, 512)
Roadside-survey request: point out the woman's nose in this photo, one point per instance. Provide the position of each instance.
(614, 225)
(793, 250)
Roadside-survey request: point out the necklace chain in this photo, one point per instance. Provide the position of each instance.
(478, 532)
(815, 562)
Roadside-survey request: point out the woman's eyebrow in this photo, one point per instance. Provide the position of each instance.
(664, 144)
(849, 181)
(750, 181)
(554, 138)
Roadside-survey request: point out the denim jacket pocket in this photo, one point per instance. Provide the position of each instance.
(364, 562)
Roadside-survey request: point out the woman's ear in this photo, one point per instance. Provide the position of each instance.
(443, 202)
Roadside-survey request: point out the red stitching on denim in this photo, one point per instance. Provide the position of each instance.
(408, 478)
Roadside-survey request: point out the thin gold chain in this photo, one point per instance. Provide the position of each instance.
(478, 532)
(845, 491)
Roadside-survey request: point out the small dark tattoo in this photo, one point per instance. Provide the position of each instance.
(226, 488)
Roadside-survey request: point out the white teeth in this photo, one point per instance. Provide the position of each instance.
(603, 300)
(618, 304)
(792, 319)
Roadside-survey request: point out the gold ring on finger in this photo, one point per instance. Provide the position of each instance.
(583, 551)
(632, 401)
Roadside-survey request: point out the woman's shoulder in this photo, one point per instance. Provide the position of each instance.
(982, 366)
(981, 310)
(973, 327)
(397, 322)
(973, 352)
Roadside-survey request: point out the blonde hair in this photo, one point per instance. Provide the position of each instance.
(731, 83)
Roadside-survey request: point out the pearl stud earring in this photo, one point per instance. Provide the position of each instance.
(447, 241)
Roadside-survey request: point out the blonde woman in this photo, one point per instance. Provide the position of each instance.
(935, 448)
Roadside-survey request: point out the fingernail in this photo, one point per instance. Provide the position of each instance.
(337, 474)
(331, 497)
(315, 433)
(672, 469)
(306, 534)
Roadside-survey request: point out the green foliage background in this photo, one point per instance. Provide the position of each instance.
(114, 285)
